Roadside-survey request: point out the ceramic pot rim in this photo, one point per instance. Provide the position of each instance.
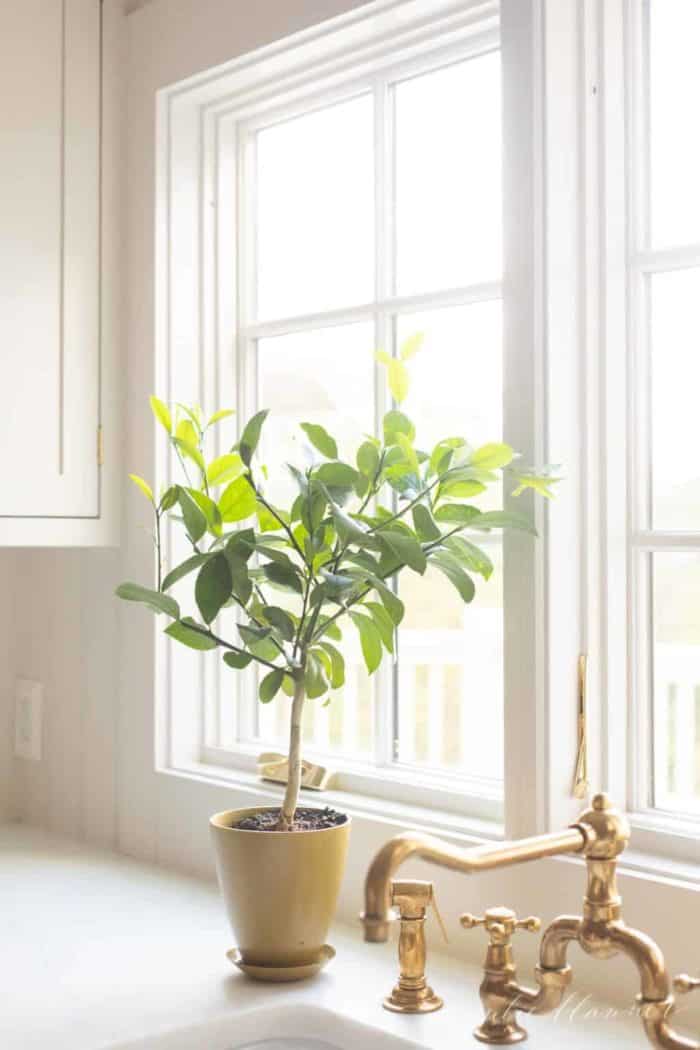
(222, 822)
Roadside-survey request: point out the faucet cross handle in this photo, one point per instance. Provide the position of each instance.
(500, 923)
(684, 984)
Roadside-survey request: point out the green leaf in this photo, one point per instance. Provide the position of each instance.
(454, 573)
(250, 438)
(282, 576)
(191, 452)
(351, 531)
(456, 514)
(209, 509)
(281, 621)
(242, 584)
(470, 555)
(144, 486)
(492, 456)
(238, 501)
(384, 624)
(337, 665)
(155, 600)
(213, 587)
(225, 468)
(502, 519)
(223, 413)
(195, 520)
(370, 641)
(251, 635)
(367, 459)
(405, 547)
(461, 489)
(186, 432)
(186, 567)
(332, 630)
(411, 346)
(270, 685)
(395, 423)
(313, 508)
(237, 660)
(442, 454)
(162, 413)
(425, 523)
(315, 680)
(409, 452)
(336, 474)
(321, 439)
(168, 499)
(241, 544)
(183, 631)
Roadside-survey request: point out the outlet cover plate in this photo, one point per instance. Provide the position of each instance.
(29, 704)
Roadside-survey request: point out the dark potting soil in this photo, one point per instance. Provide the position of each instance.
(306, 820)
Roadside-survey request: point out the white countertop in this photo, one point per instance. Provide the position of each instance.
(97, 949)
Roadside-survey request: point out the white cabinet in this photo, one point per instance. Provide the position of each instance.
(52, 273)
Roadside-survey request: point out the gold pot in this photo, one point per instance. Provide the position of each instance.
(280, 888)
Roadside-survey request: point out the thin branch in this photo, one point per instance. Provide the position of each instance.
(276, 516)
(206, 633)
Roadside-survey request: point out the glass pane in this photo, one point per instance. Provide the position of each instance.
(448, 176)
(451, 655)
(675, 346)
(315, 211)
(451, 675)
(457, 377)
(676, 610)
(325, 376)
(674, 91)
(345, 726)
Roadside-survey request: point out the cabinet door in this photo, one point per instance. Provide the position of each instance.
(49, 258)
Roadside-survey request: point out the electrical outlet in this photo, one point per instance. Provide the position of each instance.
(29, 704)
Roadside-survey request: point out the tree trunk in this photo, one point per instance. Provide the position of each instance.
(291, 795)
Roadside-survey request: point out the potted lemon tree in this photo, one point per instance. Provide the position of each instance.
(274, 588)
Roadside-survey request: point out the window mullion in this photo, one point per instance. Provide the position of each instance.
(385, 678)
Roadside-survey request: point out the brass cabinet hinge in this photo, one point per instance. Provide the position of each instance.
(100, 446)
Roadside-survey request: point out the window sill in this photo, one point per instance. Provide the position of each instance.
(372, 807)
(640, 863)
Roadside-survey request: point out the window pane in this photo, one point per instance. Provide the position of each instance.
(448, 176)
(450, 681)
(675, 338)
(457, 377)
(674, 90)
(345, 726)
(315, 211)
(676, 610)
(325, 376)
(451, 674)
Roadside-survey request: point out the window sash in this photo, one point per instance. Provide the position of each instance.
(457, 790)
(644, 539)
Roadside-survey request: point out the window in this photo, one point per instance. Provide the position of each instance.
(664, 266)
(370, 214)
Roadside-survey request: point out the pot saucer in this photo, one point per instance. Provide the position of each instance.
(282, 973)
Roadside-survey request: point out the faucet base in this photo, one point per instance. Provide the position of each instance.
(402, 1001)
(501, 1033)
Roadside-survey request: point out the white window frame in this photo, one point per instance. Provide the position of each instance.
(565, 284)
(222, 129)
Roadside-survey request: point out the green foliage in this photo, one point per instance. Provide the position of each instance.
(283, 580)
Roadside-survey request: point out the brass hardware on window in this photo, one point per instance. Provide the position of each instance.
(600, 835)
(100, 446)
(275, 767)
(413, 994)
(581, 785)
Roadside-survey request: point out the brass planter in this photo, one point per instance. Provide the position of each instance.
(280, 889)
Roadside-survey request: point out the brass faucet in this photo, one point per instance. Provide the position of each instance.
(412, 994)
(600, 835)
